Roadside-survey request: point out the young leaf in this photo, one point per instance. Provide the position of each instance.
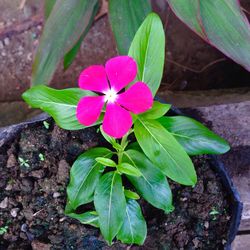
(110, 139)
(131, 195)
(158, 110)
(89, 218)
(195, 138)
(134, 228)
(148, 49)
(152, 185)
(164, 151)
(126, 17)
(106, 162)
(65, 25)
(60, 104)
(128, 169)
(110, 204)
(84, 176)
(221, 23)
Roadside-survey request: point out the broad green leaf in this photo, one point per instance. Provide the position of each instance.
(66, 23)
(195, 138)
(164, 151)
(158, 110)
(48, 6)
(134, 228)
(221, 23)
(126, 17)
(148, 49)
(131, 195)
(89, 218)
(60, 104)
(84, 176)
(110, 204)
(106, 162)
(70, 56)
(152, 185)
(128, 169)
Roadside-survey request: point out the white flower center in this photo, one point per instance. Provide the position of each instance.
(110, 95)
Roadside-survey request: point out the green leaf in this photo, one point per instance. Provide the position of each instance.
(89, 218)
(131, 195)
(110, 139)
(134, 228)
(148, 49)
(128, 169)
(48, 6)
(84, 176)
(158, 110)
(60, 104)
(195, 138)
(221, 23)
(70, 56)
(66, 23)
(106, 162)
(126, 17)
(164, 151)
(110, 204)
(152, 185)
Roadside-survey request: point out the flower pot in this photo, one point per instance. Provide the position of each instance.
(34, 162)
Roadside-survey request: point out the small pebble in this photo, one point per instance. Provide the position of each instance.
(4, 203)
(6, 41)
(206, 224)
(1, 45)
(14, 212)
(56, 195)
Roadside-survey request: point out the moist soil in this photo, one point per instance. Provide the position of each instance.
(33, 197)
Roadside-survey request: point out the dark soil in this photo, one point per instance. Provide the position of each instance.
(32, 199)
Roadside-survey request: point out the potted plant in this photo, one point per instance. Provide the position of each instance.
(145, 159)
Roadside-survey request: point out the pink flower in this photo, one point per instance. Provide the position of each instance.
(109, 81)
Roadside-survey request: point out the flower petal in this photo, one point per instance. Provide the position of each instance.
(121, 70)
(117, 121)
(137, 99)
(89, 109)
(94, 78)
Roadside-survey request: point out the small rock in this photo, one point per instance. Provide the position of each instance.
(196, 242)
(39, 174)
(11, 161)
(4, 203)
(14, 212)
(206, 224)
(63, 172)
(6, 41)
(28, 214)
(56, 195)
(8, 187)
(37, 245)
(27, 185)
(1, 45)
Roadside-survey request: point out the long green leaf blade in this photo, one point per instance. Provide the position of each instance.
(152, 185)
(126, 17)
(195, 138)
(65, 25)
(148, 49)
(221, 23)
(60, 104)
(164, 151)
(48, 6)
(84, 176)
(134, 228)
(110, 205)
